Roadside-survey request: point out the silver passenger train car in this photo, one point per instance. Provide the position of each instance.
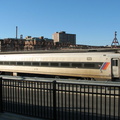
(96, 66)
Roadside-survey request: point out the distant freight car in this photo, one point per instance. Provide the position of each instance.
(90, 66)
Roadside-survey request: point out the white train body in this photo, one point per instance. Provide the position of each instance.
(98, 66)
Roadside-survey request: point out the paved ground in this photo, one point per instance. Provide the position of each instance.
(10, 116)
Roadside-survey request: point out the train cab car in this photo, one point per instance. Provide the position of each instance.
(90, 66)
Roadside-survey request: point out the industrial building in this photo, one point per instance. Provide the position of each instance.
(12, 44)
(63, 37)
(61, 40)
(38, 43)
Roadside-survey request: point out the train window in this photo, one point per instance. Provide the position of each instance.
(98, 65)
(27, 63)
(54, 64)
(45, 64)
(65, 64)
(115, 62)
(89, 65)
(12, 63)
(6, 63)
(76, 65)
(19, 63)
(1, 63)
(35, 63)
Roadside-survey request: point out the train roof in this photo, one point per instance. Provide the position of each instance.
(108, 54)
(60, 57)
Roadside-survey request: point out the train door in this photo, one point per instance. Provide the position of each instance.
(115, 68)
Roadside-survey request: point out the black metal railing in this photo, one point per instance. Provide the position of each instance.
(31, 98)
(87, 101)
(61, 100)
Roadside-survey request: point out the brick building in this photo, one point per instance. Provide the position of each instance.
(63, 37)
(12, 44)
(38, 43)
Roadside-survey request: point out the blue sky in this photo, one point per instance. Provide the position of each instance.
(93, 21)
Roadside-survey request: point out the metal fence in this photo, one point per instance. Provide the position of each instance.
(61, 100)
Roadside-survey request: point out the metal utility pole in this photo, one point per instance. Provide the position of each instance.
(115, 41)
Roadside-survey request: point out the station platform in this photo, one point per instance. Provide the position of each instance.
(11, 116)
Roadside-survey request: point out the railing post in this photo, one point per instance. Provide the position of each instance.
(1, 102)
(54, 100)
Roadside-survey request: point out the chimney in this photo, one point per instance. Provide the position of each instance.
(16, 32)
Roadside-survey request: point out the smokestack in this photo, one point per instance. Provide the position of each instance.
(16, 31)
